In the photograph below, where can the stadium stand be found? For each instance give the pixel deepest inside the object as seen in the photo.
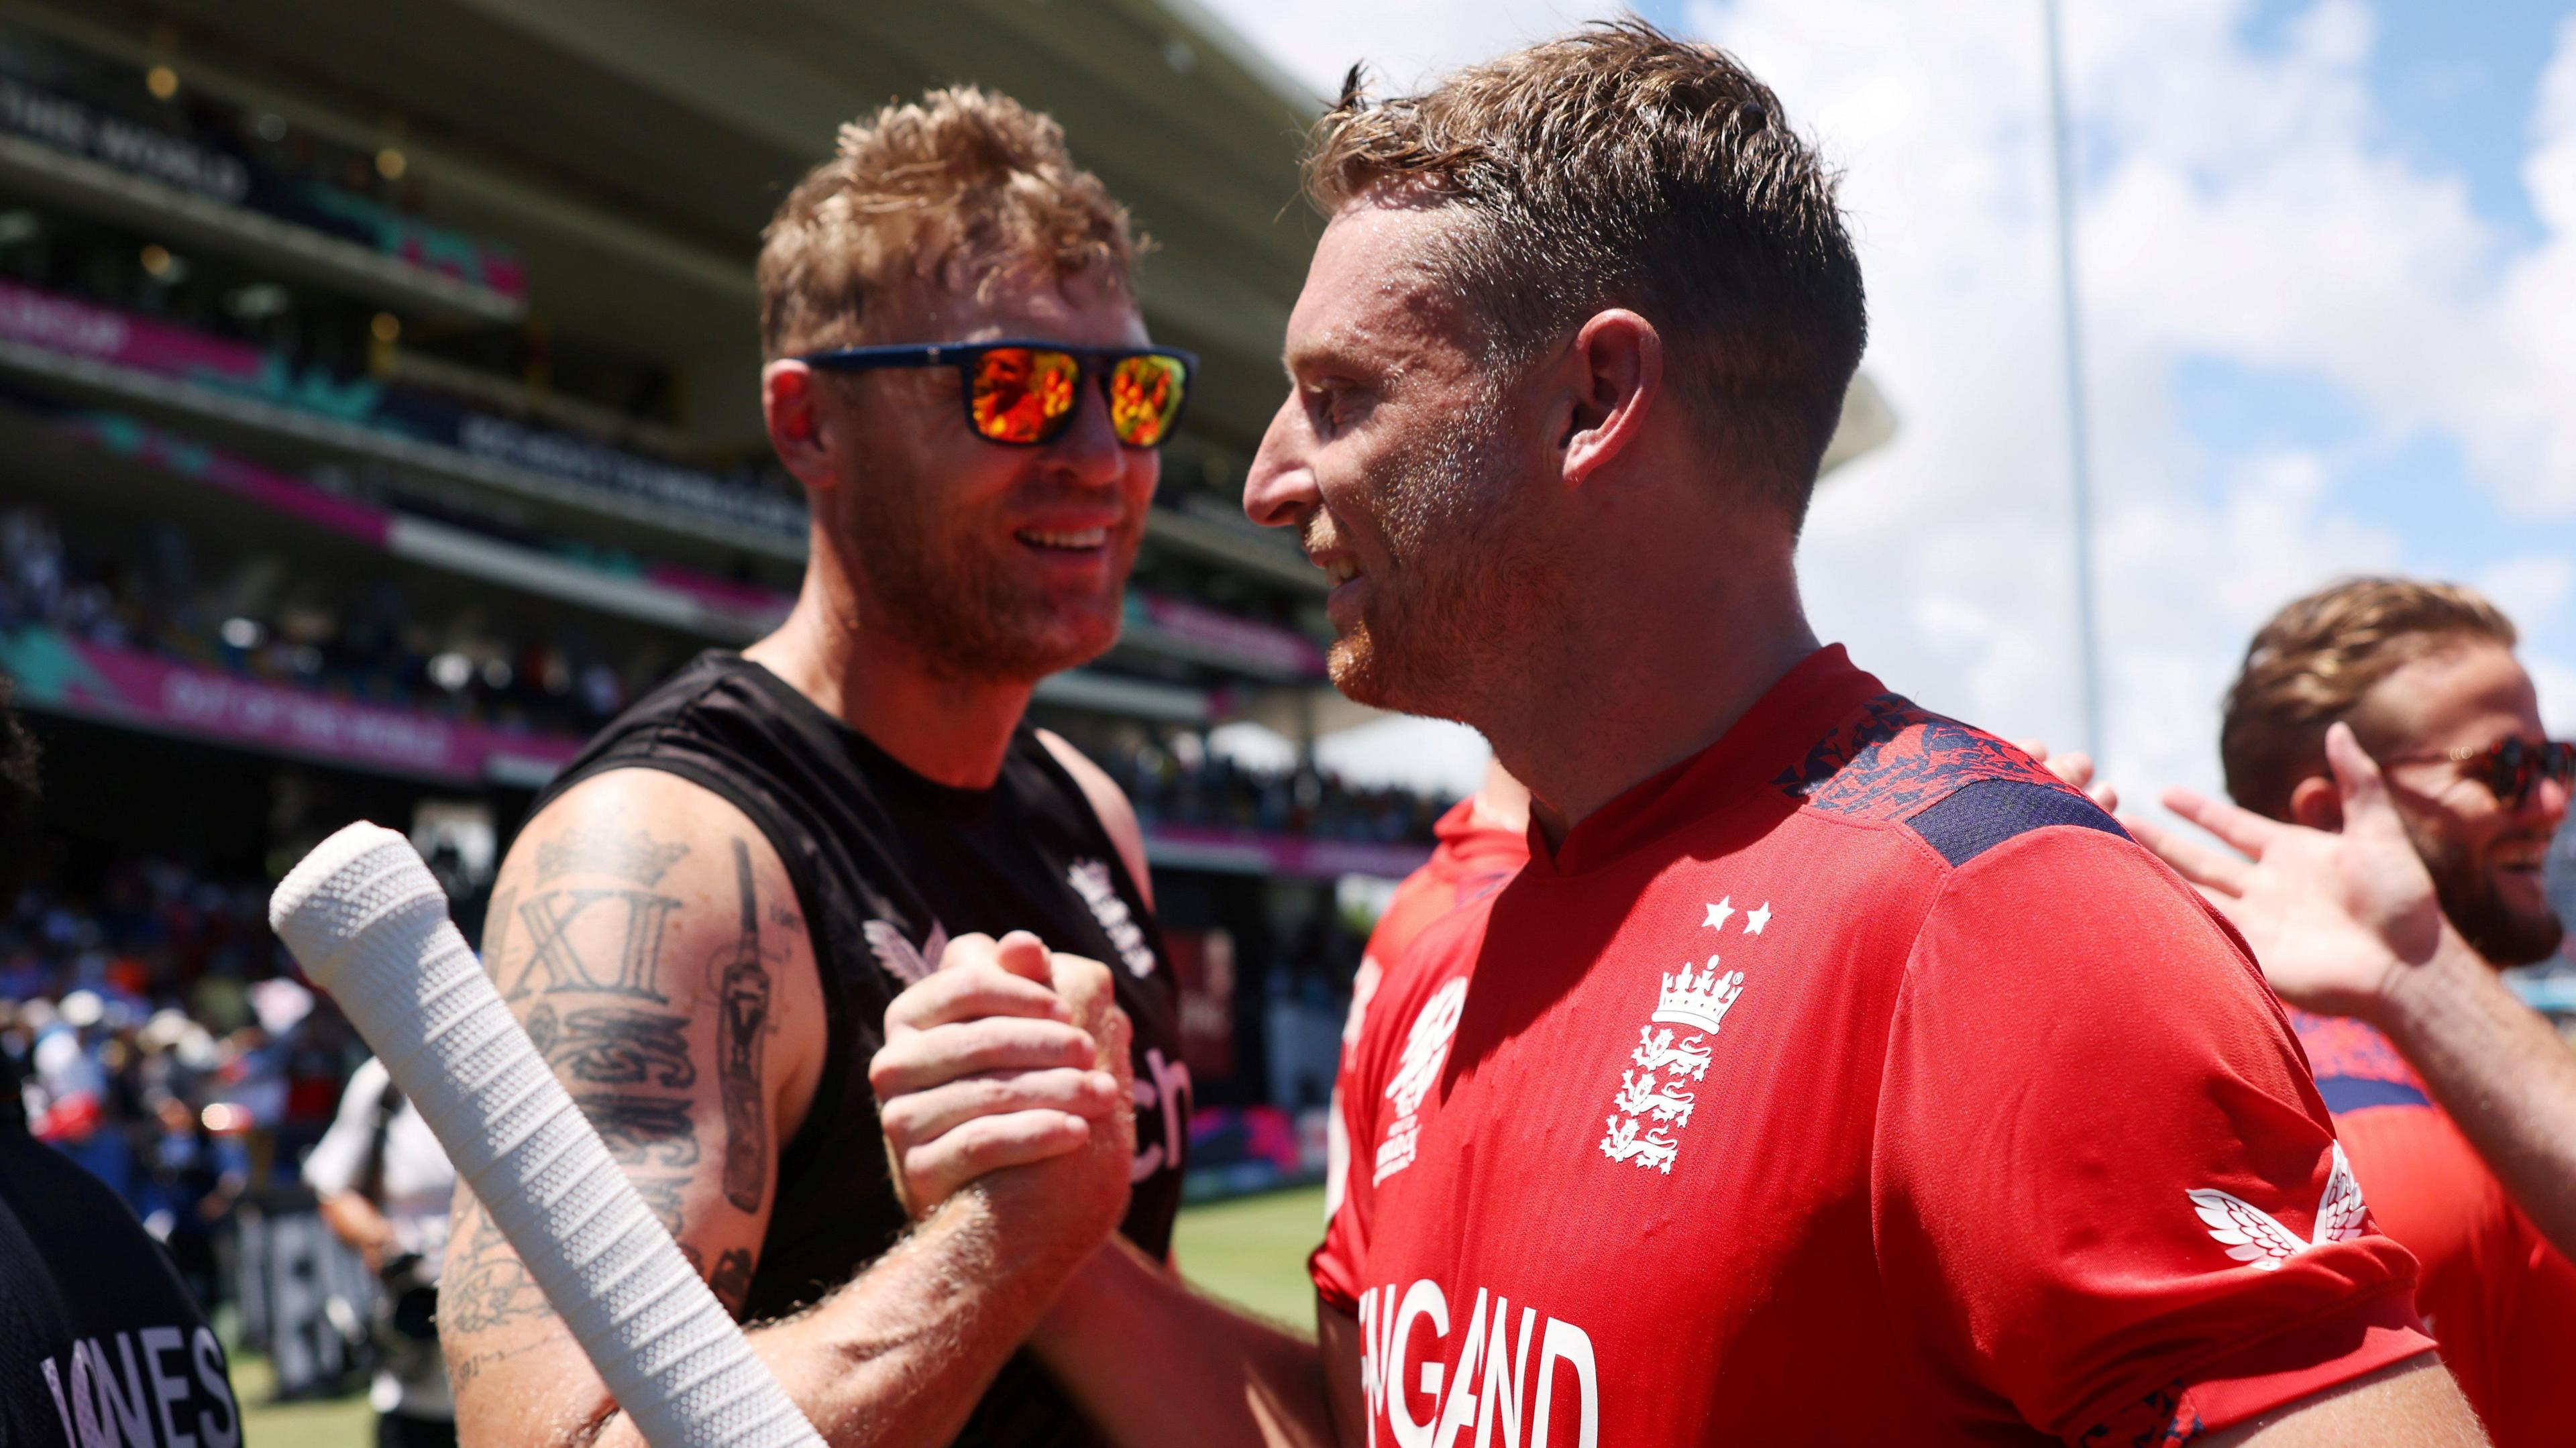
(379, 399)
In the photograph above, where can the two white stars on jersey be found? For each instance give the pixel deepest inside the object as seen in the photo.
(2257, 1238)
(1754, 920)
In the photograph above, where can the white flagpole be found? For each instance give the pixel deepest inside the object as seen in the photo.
(2079, 441)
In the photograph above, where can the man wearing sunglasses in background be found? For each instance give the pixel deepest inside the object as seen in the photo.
(706, 916)
(2455, 1103)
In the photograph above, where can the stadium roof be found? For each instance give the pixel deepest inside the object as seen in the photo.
(659, 134)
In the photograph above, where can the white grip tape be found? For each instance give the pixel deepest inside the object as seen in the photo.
(370, 925)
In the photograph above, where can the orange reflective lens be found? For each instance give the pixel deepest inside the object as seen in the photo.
(1145, 397)
(1023, 394)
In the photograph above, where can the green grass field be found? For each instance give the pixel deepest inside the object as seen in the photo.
(1251, 1252)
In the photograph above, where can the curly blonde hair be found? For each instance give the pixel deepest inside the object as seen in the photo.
(2317, 660)
(947, 193)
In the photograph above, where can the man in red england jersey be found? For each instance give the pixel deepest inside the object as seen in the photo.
(1832, 1073)
(2466, 782)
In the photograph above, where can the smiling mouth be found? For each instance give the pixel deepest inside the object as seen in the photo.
(1074, 542)
(2528, 858)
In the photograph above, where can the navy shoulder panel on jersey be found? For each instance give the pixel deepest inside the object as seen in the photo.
(2359, 1093)
(1962, 789)
(1980, 815)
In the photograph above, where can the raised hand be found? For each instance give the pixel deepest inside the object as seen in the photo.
(1008, 1067)
(2335, 920)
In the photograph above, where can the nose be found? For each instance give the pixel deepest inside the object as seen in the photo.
(2548, 803)
(1279, 488)
(1088, 450)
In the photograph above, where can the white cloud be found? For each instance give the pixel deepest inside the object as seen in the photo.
(1431, 754)
(2241, 203)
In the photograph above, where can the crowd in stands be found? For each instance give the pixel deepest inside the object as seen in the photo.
(150, 598)
(1191, 787)
(380, 652)
(159, 1041)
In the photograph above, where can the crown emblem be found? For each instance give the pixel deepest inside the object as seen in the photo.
(1699, 998)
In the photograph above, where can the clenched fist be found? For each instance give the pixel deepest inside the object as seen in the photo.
(1006, 1072)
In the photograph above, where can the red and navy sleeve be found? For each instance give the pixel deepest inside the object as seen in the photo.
(2108, 1198)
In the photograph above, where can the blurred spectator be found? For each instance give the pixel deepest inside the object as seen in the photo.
(377, 652)
(384, 1183)
(1186, 785)
(159, 1044)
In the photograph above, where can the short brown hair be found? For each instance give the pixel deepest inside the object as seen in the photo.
(1617, 166)
(2316, 661)
(945, 193)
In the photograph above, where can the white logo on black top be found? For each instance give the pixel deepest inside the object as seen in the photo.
(1090, 880)
(896, 954)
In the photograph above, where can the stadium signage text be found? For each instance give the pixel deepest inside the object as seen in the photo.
(138, 150)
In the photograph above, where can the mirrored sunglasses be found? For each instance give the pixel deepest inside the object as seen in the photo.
(2512, 767)
(1025, 393)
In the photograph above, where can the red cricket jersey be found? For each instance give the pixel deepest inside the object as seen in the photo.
(1854, 1081)
(1472, 861)
(2498, 1298)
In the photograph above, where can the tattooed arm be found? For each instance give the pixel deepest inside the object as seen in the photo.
(642, 930)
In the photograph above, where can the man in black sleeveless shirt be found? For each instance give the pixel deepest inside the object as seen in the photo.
(704, 920)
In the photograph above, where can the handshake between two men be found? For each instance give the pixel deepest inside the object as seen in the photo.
(1005, 1073)
(1008, 1103)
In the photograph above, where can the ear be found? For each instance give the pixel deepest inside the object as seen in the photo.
(2317, 804)
(1615, 372)
(791, 405)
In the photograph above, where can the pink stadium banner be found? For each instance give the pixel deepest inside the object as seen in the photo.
(293, 496)
(1266, 646)
(102, 334)
(60, 674)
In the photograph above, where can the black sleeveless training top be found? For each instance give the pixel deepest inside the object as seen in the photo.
(887, 867)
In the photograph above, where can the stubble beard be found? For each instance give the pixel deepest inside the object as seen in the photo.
(1441, 615)
(955, 606)
(2500, 934)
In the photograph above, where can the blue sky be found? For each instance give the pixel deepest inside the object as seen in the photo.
(2455, 84)
(2453, 91)
(2455, 97)
(2330, 326)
